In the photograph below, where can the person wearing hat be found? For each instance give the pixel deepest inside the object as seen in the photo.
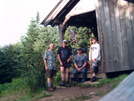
(64, 57)
(80, 62)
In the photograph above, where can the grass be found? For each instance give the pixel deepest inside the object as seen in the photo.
(34, 97)
(116, 81)
(81, 98)
(20, 91)
(15, 86)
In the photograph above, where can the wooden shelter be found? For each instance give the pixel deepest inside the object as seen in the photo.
(112, 21)
(123, 92)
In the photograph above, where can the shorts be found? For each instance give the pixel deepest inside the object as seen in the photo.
(50, 73)
(66, 64)
(95, 65)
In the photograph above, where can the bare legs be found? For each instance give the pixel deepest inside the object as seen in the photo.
(64, 76)
(64, 73)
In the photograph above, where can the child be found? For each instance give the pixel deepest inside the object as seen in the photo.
(94, 56)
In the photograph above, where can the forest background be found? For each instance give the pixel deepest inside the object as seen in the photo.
(22, 62)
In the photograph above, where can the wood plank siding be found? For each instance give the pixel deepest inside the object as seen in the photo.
(123, 92)
(115, 24)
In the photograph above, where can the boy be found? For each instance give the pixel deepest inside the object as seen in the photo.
(94, 56)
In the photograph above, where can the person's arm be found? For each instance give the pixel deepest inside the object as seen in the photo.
(85, 62)
(84, 65)
(59, 59)
(90, 54)
(58, 56)
(70, 56)
(45, 62)
(69, 59)
(76, 66)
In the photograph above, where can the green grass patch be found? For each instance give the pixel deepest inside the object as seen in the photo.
(34, 96)
(15, 86)
(101, 93)
(81, 98)
(117, 80)
(21, 92)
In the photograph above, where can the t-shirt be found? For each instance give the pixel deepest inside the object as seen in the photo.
(95, 48)
(80, 59)
(64, 53)
(50, 56)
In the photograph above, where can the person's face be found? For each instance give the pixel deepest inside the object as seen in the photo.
(93, 41)
(79, 51)
(51, 46)
(64, 44)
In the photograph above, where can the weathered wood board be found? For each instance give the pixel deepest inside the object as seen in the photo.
(115, 23)
(123, 92)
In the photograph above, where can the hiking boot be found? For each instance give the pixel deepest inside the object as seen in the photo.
(67, 85)
(77, 82)
(53, 88)
(62, 84)
(93, 79)
(50, 89)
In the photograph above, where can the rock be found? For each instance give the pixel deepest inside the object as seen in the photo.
(61, 87)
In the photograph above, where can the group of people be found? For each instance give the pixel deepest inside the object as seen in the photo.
(64, 56)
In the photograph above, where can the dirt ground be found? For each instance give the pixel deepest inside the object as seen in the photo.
(66, 94)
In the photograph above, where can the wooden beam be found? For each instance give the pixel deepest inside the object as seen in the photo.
(61, 29)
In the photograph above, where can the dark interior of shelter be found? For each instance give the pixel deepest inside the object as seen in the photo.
(84, 20)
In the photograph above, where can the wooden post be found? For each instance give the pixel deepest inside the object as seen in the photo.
(62, 30)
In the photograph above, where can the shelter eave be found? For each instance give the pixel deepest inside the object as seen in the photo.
(57, 15)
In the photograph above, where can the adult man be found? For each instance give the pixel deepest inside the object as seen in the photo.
(94, 57)
(49, 61)
(80, 62)
(64, 57)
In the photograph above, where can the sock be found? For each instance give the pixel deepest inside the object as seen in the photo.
(67, 82)
(63, 82)
(49, 84)
(93, 74)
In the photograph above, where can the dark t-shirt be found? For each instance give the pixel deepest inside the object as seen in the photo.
(80, 60)
(65, 53)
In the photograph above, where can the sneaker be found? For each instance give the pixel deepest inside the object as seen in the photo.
(93, 79)
(62, 84)
(50, 89)
(82, 81)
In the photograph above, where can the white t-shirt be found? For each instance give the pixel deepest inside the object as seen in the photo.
(95, 48)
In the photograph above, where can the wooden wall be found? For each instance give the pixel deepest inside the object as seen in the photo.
(115, 24)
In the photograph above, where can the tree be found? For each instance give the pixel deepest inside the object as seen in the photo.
(9, 63)
(82, 35)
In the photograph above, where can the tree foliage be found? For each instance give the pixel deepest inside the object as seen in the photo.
(25, 59)
(9, 63)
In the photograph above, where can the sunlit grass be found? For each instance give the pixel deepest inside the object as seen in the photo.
(117, 80)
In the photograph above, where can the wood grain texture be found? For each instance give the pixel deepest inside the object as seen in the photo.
(115, 18)
(123, 92)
